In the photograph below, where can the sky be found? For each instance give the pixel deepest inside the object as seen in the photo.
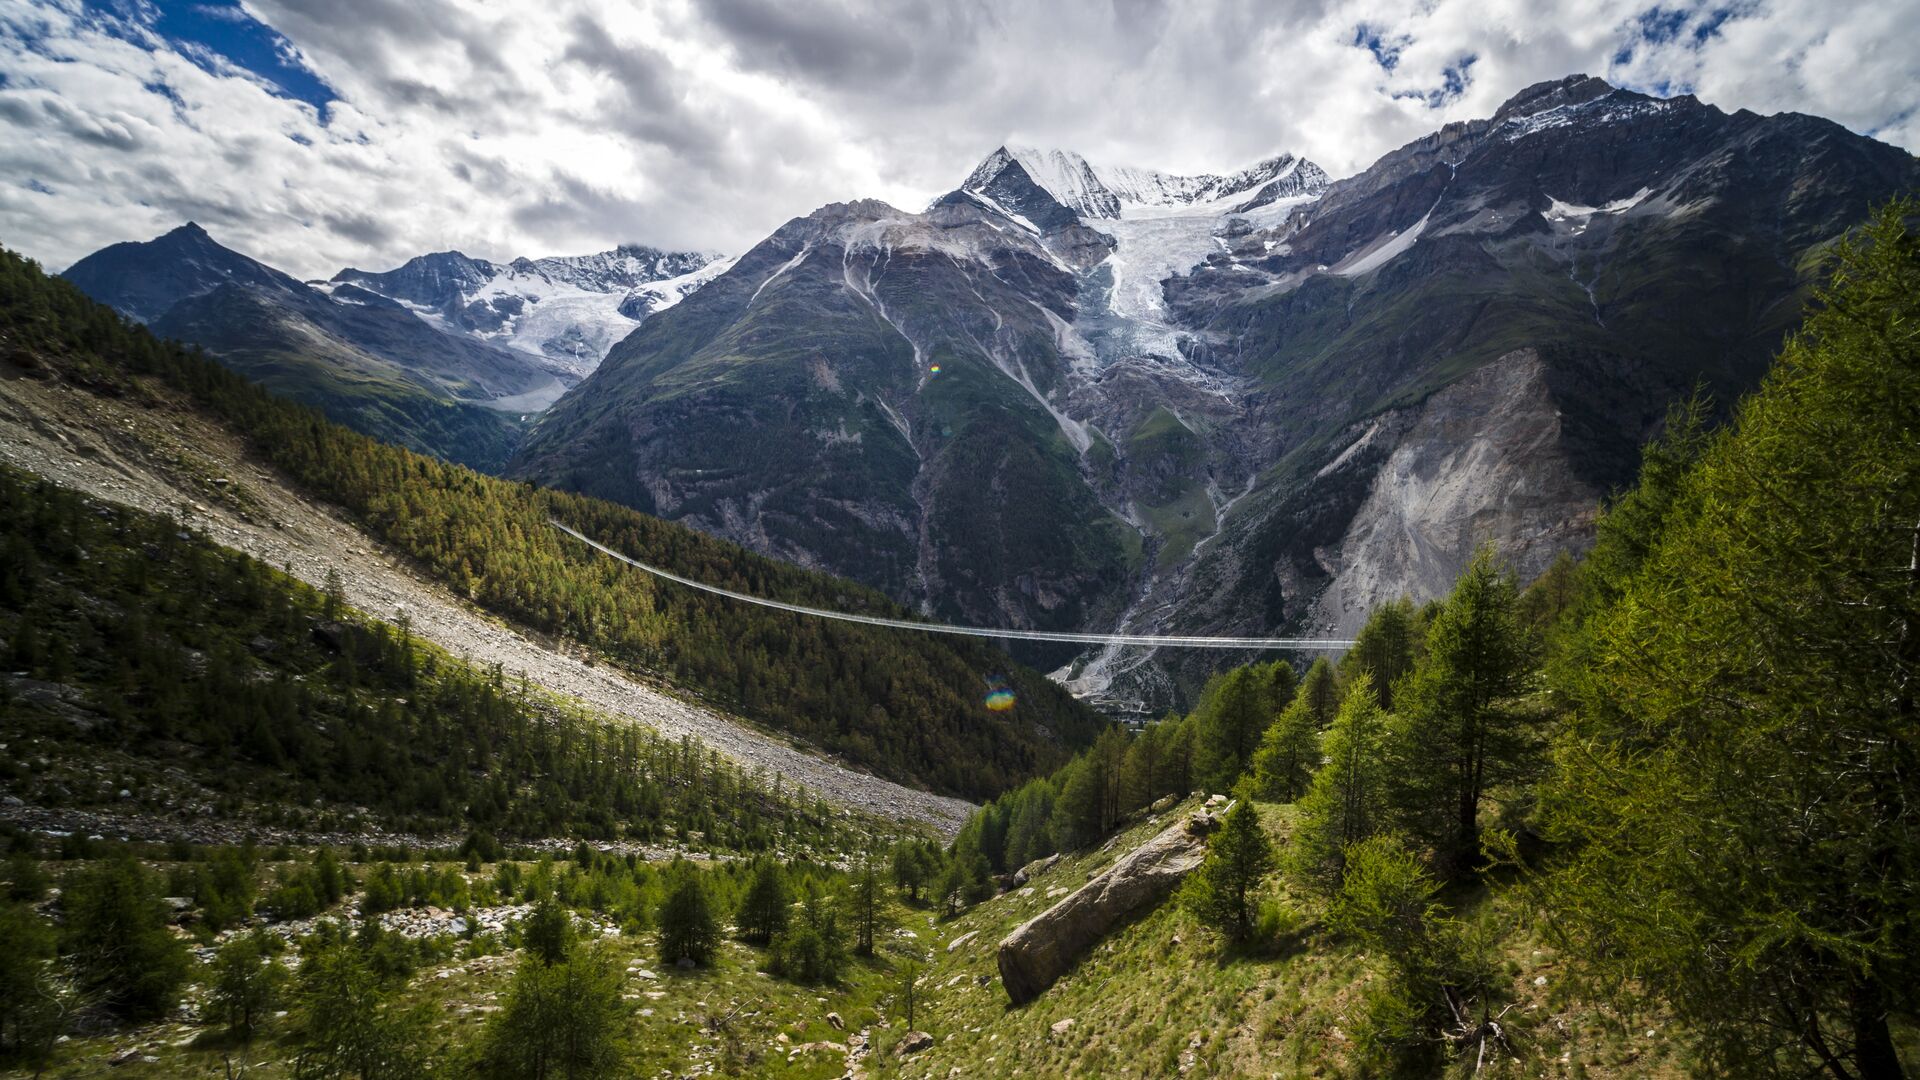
(319, 134)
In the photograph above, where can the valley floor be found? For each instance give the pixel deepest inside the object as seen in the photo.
(161, 459)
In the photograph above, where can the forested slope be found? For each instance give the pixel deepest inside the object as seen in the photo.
(908, 707)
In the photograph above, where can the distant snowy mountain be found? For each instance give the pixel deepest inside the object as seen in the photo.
(365, 359)
(1069, 395)
(1101, 192)
(569, 309)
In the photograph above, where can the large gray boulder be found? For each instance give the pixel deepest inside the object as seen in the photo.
(1041, 949)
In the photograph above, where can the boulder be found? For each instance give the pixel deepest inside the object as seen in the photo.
(1044, 947)
(1034, 869)
(912, 1043)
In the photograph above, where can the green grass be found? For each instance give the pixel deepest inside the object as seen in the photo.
(1180, 523)
(1160, 997)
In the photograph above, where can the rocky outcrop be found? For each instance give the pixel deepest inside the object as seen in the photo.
(1034, 869)
(1483, 463)
(1044, 947)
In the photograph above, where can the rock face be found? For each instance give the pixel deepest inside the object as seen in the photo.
(1041, 949)
(1484, 462)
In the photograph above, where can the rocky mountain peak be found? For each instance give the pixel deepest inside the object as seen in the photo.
(1542, 96)
(1034, 182)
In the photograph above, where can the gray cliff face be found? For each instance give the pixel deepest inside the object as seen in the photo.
(1483, 461)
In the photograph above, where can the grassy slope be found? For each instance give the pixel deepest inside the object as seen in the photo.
(1156, 999)
(98, 741)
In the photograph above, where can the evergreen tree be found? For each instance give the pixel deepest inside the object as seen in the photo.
(1734, 790)
(116, 933)
(1347, 801)
(813, 949)
(688, 928)
(1144, 772)
(247, 983)
(1321, 690)
(1030, 823)
(1459, 731)
(1077, 818)
(1385, 649)
(33, 1008)
(1223, 891)
(868, 906)
(1232, 718)
(767, 904)
(561, 1021)
(1289, 754)
(547, 932)
(1438, 969)
(349, 1029)
(916, 864)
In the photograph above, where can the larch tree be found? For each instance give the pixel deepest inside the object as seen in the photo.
(1347, 801)
(1459, 731)
(1736, 791)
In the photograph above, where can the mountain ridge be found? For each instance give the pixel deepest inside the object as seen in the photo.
(1199, 381)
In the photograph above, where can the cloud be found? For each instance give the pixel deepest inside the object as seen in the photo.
(571, 125)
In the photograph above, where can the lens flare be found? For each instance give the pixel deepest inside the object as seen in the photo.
(934, 370)
(1000, 700)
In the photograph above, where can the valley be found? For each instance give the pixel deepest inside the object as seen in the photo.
(1075, 540)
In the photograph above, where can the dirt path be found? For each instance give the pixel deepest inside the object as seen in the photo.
(169, 460)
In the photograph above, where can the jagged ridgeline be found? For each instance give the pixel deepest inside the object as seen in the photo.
(131, 639)
(908, 706)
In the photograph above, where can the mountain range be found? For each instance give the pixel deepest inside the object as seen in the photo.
(1070, 395)
(445, 354)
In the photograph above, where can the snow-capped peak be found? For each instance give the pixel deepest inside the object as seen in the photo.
(569, 308)
(1113, 192)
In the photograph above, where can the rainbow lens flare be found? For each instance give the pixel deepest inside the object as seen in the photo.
(934, 370)
(1000, 700)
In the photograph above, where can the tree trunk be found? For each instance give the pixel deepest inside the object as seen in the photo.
(1874, 1055)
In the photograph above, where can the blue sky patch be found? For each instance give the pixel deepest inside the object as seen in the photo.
(1384, 46)
(1453, 82)
(205, 29)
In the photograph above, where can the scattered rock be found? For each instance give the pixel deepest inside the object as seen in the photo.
(834, 1021)
(912, 1043)
(962, 940)
(1061, 1027)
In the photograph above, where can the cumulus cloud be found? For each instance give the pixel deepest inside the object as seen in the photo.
(570, 125)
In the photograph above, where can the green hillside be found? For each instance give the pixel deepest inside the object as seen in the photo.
(907, 706)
